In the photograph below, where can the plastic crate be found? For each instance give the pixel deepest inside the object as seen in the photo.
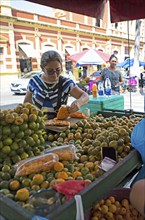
(104, 103)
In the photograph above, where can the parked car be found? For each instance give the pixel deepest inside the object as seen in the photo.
(19, 86)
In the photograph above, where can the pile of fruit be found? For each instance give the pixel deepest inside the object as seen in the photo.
(23, 135)
(111, 208)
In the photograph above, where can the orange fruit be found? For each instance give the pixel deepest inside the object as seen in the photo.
(14, 185)
(22, 194)
(62, 175)
(58, 166)
(75, 174)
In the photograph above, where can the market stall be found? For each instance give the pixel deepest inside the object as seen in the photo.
(76, 155)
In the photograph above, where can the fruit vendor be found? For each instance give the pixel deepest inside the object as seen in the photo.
(50, 90)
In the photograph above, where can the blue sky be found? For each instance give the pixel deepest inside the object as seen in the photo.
(31, 7)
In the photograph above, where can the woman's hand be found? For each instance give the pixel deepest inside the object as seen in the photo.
(118, 84)
(74, 107)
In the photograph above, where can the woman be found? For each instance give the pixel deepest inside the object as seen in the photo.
(50, 90)
(113, 74)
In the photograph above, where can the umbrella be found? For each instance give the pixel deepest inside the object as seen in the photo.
(129, 62)
(120, 10)
(89, 57)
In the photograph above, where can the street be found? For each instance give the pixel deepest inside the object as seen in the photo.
(132, 100)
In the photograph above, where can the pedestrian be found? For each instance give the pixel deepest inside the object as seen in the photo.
(114, 75)
(51, 90)
(85, 69)
(80, 72)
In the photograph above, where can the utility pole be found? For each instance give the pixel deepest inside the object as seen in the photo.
(135, 71)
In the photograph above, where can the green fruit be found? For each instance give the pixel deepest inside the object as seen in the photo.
(4, 191)
(89, 176)
(6, 130)
(26, 182)
(6, 149)
(23, 127)
(12, 153)
(20, 135)
(32, 125)
(14, 146)
(4, 184)
(6, 176)
(15, 128)
(85, 170)
(16, 159)
(8, 141)
(30, 141)
(6, 168)
(1, 144)
(28, 132)
(24, 156)
(22, 143)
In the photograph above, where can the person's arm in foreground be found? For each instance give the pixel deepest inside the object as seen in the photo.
(28, 97)
(137, 196)
(81, 98)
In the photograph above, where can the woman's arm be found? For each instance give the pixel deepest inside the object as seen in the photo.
(137, 196)
(28, 97)
(81, 98)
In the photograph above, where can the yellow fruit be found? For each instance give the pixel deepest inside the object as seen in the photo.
(14, 185)
(22, 194)
(25, 110)
(18, 120)
(112, 199)
(104, 209)
(112, 208)
(24, 116)
(38, 179)
(44, 185)
(9, 118)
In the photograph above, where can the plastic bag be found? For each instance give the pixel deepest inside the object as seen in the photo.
(44, 162)
(70, 188)
(138, 138)
(65, 152)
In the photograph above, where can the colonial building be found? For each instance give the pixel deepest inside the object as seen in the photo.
(25, 36)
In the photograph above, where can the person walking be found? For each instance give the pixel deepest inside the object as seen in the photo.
(113, 74)
(50, 90)
(80, 72)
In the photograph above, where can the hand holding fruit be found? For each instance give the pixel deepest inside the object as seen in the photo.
(74, 107)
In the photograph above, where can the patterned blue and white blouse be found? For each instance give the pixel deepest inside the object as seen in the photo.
(46, 95)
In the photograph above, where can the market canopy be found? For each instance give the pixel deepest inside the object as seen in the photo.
(120, 10)
(129, 62)
(89, 57)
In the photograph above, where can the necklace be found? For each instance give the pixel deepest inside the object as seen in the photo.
(46, 82)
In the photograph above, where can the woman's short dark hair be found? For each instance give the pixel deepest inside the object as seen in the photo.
(49, 56)
(113, 56)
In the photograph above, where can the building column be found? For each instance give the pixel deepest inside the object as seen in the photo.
(12, 48)
(37, 43)
(78, 41)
